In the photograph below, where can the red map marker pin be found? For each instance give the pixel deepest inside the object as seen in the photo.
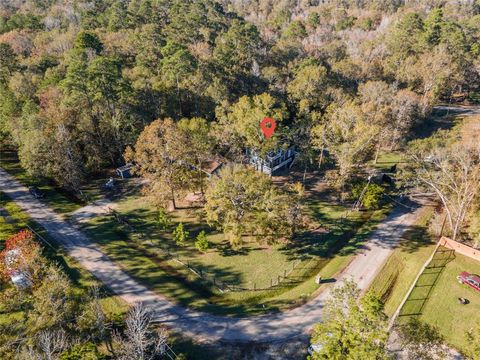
(268, 127)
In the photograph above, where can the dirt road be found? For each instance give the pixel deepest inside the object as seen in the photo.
(271, 327)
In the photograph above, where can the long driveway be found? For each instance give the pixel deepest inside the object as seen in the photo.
(265, 328)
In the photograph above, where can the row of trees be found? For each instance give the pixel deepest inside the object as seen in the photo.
(54, 320)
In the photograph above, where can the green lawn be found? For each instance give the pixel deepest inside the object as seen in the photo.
(386, 159)
(437, 304)
(251, 266)
(13, 219)
(442, 308)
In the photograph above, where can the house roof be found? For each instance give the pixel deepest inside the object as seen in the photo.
(211, 166)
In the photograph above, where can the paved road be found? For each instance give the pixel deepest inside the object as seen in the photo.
(271, 327)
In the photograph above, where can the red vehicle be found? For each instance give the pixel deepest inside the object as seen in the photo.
(471, 280)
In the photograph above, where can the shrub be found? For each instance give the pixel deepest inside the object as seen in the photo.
(371, 198)
(180, 234)
(201, 243)
(86, 351)
(28, 253)
(164, 220)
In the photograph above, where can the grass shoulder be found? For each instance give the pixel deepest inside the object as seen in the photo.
(401, 268)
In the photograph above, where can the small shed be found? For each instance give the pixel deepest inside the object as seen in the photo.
(125, 171)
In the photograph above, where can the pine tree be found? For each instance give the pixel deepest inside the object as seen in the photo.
(180, 235)
(164, 220)
(201, 243)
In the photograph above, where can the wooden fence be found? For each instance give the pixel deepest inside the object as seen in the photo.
(460, 248)
(284, 278)
(221, 285)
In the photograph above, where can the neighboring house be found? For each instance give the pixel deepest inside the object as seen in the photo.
(20, 278)
(273, 161)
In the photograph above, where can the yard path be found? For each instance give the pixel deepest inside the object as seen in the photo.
(96, 208)
(266, 328)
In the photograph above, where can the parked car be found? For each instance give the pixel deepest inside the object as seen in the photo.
(471, 280)
(313, 348)
(37, 194)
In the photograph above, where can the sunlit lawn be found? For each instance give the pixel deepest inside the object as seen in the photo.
(401, 268)
(442, 308)
(387, 159)
(437, 304)
(253, 265)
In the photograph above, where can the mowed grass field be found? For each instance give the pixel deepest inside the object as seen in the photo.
(442, 308)
(13, 219)
(254, 265)
(435, 298)
(401, 268)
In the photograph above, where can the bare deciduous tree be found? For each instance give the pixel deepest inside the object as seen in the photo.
(48, 345)
(454, 175)
(140, 341)
(51, 343)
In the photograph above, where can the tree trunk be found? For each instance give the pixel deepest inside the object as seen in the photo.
(174, 204)
(376, 154)
(320, 161)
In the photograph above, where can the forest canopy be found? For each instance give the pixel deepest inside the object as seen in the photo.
(80, 80)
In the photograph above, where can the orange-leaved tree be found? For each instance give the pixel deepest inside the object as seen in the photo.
(21, 252)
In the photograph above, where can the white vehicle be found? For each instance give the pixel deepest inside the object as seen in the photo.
(314, 348)
(20, 278)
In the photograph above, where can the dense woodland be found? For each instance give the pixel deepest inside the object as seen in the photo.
(88, 85)
(81, 80)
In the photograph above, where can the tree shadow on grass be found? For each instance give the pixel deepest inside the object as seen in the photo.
(194, 351)
(134, 253)
(440, 119)
(415, 238)
(325, 244)
(226, 249)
